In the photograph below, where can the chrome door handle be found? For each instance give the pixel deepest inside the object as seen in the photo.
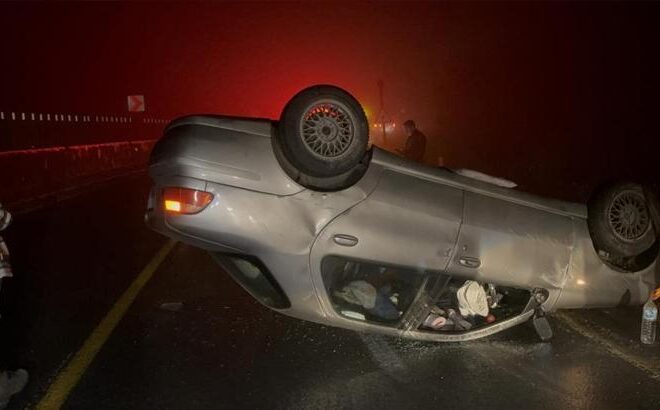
(345, 240)
(469, 262)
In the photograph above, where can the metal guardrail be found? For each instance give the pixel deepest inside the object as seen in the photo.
(20, 130)
(33, 173)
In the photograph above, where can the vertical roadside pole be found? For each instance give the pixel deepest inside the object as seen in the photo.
(382, 116)
(136, 106)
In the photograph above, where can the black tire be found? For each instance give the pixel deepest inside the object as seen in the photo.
(326, 184)
(323, 132)
(621, 222)
(654, 207)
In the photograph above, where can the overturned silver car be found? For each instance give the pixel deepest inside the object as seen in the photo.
(317, 225)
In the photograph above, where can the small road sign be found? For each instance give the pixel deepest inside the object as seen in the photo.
(136, 103)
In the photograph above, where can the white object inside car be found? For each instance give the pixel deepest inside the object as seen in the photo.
(472, 299)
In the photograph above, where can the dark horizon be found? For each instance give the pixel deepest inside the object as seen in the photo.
(256, 264)
(546, 94)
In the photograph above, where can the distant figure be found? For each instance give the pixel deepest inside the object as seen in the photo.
(415, 142)
(11, 382)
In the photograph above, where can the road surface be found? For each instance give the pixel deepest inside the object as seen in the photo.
(194, 339)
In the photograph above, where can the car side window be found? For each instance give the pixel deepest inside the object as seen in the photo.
(369, 291)
(253, 276)
(461, 305)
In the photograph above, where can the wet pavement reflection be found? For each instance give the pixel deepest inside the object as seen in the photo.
(195, 339)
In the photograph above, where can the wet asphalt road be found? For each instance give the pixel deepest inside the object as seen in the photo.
(222, 349)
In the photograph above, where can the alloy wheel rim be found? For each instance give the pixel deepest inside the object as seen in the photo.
(327, 129)
(628, 216)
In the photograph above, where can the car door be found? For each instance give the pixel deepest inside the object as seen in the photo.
(511, 243)
(406, 228)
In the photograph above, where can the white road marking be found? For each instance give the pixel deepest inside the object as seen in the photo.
(651, 367)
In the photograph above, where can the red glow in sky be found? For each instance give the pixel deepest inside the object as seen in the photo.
(500, 87)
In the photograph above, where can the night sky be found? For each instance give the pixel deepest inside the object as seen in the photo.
(554, 95)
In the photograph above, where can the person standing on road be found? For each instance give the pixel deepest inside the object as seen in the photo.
(415, 142)
(11, 382)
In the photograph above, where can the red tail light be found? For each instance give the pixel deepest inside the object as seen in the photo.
(185, 201)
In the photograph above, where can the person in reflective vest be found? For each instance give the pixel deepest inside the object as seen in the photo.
(11, 382)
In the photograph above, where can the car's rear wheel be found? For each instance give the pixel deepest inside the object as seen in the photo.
(622, 227)
(323, 134)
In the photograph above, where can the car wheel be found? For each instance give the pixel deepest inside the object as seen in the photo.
(621, 222)
(323, 133)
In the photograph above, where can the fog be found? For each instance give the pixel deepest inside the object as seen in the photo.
(555, 96)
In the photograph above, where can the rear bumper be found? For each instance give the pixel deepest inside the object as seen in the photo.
(156, 218)
(273, 229)
(222, 150)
